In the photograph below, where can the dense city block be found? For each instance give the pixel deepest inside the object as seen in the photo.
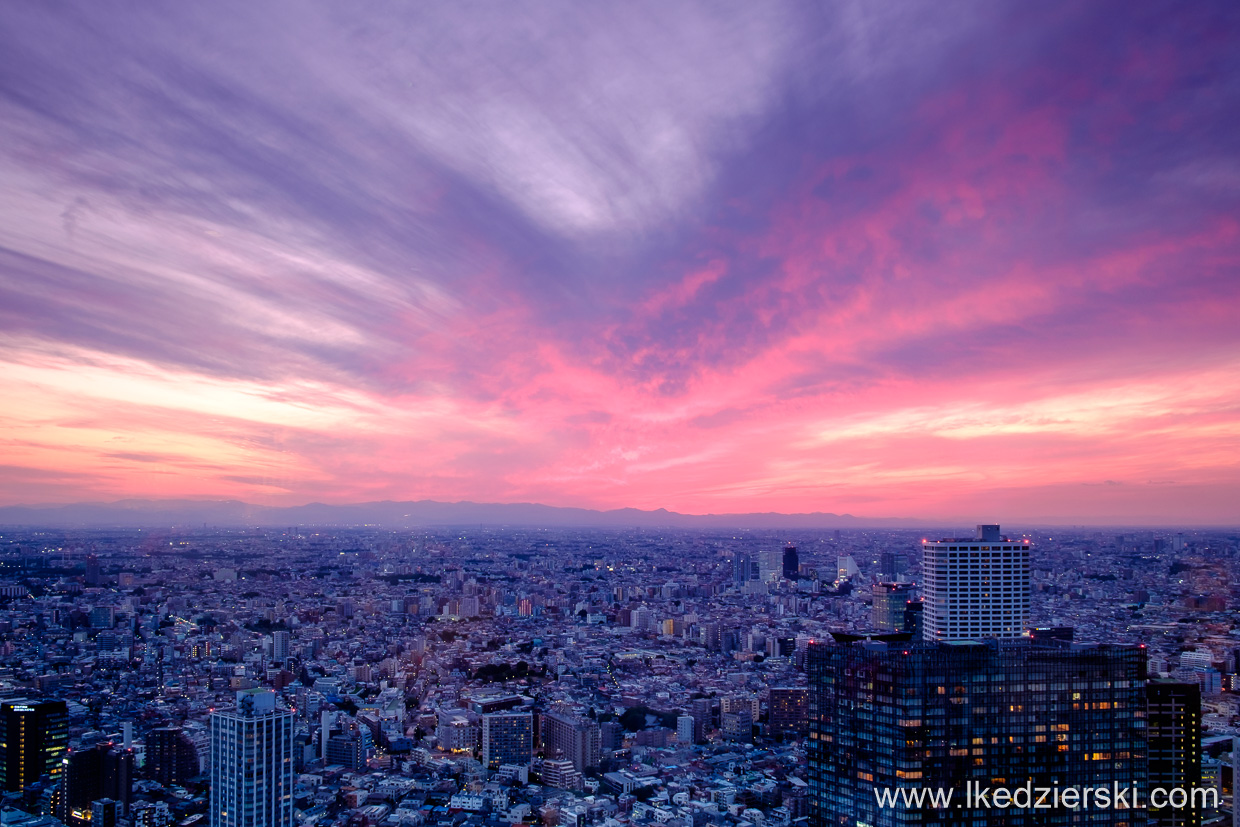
(499, 676)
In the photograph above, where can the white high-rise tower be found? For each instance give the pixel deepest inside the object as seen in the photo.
(975, 588)
(252, 763)
(279, 646)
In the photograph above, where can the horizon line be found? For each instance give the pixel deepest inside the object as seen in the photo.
(855, 522)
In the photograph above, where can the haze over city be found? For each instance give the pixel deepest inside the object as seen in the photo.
(764, 414)
(966, 261)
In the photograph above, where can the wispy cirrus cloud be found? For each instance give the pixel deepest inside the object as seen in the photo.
(708, 257)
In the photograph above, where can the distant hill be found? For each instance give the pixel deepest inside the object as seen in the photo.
(167, 513)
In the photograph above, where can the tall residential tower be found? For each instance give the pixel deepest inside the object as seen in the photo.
(507, 738)
(975, 588)
(252, 763)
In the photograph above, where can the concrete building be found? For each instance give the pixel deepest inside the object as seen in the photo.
(252, 763)
(571, 738)
(90, 774)
(684, 729)
(507, 738)
(789, 711)
(171, 757)
(975, 588)
(560, 774)
(736, 718)
(279, 646)
(457, 731)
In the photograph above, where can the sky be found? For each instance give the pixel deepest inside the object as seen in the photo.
(959, 260)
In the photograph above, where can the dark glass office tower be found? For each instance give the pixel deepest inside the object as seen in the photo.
(969, 715)
(890, 604)
(744, 569)
(792, 562)
(33, 738)
(1174, 723)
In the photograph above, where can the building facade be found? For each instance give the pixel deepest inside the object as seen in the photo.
(507, 738)
(684, 729)
(571, 738)
(252, 763)
(890, 604)
(702, 710)
(745, 568)
(791, 562)
(171, 757)
(457, 731)
(1174, 730)
(101, 772)
(789, 711)
(736, 718)
(33, 738)
(971, 715)
(975, 588)
(347, 750)
(280, 646)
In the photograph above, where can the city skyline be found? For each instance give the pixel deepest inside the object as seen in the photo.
(486, 676)
(964, 263)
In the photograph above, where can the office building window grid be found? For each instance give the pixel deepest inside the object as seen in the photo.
(975, 589)
(252, 768)
(994, 713)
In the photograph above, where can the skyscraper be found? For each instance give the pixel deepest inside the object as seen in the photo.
(975, 588)
(968, 715)
(792, 562)
(890, 566)
(770, 565)
(279, 646)
(1174, 730)
(744, 569)
(252, 763)
(94, 574)
(702, 710)
(890, 602)
(118, 775)
(571, 738)
(33, 739)
(507, 738)
(101, 772)
(914, 615)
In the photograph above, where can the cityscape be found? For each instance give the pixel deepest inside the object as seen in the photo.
(509, 675)
(549, 413)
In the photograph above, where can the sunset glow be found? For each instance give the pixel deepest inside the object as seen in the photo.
(906, 260)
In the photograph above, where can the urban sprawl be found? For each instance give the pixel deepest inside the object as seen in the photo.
(358, 677)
